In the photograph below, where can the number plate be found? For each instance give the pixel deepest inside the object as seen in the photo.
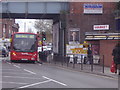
(24, 59)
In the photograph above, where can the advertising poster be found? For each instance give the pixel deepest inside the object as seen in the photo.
(76, 49)
(74, 35)
(93, 8)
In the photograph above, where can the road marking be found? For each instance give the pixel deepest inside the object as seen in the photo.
(20, 77)
(14, 83)
(34, 84)
(7, 69)
(54, 80)
(29, 71)
(39, 64)
(8, 63)
(15, 73)
(16, 66)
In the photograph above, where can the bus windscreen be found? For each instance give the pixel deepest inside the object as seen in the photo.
(24, 42)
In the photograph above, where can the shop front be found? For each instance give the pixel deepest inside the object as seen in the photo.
(102, 45)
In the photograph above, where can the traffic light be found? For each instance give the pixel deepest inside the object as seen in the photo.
(43, 36)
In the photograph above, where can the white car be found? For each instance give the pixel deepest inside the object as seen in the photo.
(40, 48)
(49, 47)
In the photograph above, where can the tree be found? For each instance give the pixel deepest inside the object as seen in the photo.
(43, 25)
(117, 9)
(118, 5)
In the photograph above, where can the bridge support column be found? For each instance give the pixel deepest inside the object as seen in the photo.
(62, 34)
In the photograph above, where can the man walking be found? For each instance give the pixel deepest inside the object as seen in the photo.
(116, 56)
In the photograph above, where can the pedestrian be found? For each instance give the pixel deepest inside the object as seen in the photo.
(90, 56)
(116, 57)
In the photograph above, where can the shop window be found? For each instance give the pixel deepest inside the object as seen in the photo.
(95, 49)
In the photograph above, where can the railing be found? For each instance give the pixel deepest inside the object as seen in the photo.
(91, 64)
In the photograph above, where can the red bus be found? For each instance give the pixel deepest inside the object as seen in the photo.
(24, 47)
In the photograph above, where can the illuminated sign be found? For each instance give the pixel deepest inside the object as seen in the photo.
(101, 27)
(93, 8)
(24, 36)
(105, 37)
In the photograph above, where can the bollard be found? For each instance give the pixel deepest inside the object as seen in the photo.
(103, 63)
(81, 62)
(54, 58)
(62, 59)
(74, 61)
(91, 59)
(67, 60)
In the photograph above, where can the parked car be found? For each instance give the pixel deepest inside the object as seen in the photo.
(5, 51)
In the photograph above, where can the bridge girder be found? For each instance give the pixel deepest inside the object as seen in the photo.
(34, 10)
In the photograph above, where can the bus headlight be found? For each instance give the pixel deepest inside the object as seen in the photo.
(14, 54)
(34, 55)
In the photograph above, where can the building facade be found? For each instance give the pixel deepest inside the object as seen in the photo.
(85, 16)
(95, 23)
(8, 27)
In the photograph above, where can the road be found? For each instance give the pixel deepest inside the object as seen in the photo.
(29, 75)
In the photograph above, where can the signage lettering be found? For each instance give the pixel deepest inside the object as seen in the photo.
(101, 27)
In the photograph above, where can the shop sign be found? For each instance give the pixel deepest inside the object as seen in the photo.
(93, 8)
(101, 27)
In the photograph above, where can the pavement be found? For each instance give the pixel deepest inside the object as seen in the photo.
(106, 73)
(109, 73)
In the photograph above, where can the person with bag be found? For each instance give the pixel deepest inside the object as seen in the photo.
(113, 67)
(116, 57)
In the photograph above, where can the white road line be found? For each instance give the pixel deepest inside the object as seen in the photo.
(20, 77)
(15, 73)
(29, 71)
(54, 80)
(14, 83)
(16, 66)
(8, 63)
(39, 64)
(7, 69)
(34, 84)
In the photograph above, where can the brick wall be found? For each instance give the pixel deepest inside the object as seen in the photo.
(8, 24)
(106, 47)
(77, 19)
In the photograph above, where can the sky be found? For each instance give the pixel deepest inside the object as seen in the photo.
(25, 24)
